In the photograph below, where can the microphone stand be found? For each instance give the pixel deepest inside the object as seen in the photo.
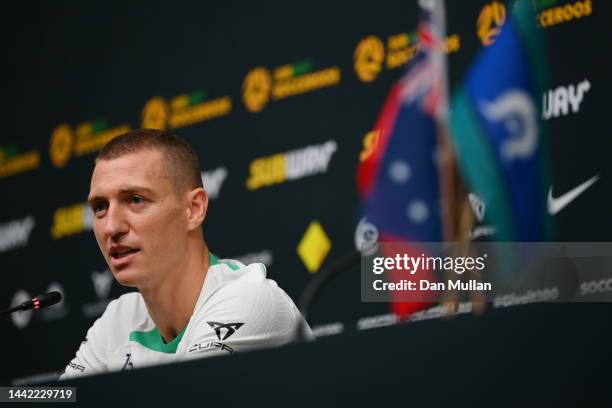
(315, 284)
(10, 310)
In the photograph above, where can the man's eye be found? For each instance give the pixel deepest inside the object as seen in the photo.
(137, 200)
(98, 208)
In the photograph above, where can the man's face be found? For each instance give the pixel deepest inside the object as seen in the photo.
(139, 221)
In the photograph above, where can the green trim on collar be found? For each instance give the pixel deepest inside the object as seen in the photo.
(214, 261)
(153, 340)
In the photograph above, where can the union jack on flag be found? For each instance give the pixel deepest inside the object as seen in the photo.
(426, 79)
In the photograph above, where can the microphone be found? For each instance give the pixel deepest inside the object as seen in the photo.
(36, 303)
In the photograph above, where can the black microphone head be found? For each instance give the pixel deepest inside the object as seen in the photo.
(37, 303)
(48, 299)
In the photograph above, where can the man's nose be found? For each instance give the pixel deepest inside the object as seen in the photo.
(116, 225)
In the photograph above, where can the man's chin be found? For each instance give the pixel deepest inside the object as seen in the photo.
(128, 277)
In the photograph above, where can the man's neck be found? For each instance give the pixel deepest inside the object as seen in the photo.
(171, 304)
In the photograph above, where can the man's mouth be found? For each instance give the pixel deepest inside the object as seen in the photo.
(122, 252)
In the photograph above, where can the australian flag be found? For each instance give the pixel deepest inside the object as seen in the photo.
(399, 181)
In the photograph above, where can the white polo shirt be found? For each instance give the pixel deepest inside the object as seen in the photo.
(238, 310)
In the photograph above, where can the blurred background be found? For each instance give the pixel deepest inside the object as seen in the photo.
(279, 100)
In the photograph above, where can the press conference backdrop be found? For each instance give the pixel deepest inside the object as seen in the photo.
(278, 101)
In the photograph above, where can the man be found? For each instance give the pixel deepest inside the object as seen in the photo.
(149, 204)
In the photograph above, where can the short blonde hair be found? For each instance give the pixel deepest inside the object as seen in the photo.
(180, 159)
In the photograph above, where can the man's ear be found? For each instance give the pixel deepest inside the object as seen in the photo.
(197, 201)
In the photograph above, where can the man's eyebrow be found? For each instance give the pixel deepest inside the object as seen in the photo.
(93, 199)
(135, 189)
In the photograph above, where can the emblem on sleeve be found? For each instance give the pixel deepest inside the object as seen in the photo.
(227, 328)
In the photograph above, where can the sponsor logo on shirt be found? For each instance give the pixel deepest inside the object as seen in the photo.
(211, 344)
(223, 332)
(227, 328)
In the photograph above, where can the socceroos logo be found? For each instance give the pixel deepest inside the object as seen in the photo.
(490, 22)
(60, 145)
(368, 58)
(564, 13)
(259, 85)
(256, 89)
(88, 138)
(155, 113)
(13, 162)
(183, 110)
(230, 328)
(370, 55)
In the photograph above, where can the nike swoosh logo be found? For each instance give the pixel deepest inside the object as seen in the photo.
(557, 204)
